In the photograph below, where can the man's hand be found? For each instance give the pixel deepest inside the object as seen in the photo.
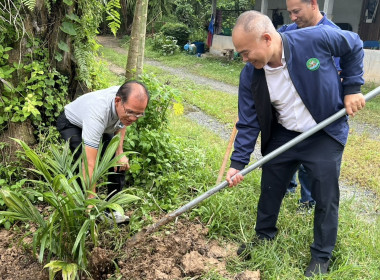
(236, 180)
(353, 103)
(124, 164)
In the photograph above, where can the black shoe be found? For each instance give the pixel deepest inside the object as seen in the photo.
(306, 206)
(244, 251)
(316, 267)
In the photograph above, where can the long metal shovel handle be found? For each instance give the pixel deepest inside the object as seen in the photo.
(171, 216)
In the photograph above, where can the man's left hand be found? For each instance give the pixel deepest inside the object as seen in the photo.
(353, 103)
(124, 164)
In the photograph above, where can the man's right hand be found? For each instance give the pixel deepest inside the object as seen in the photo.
(236, 180)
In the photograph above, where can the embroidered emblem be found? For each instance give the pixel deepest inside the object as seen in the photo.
(313, 64)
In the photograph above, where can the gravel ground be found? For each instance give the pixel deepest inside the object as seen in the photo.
(363, 128)
(213, 84)
(364, 200)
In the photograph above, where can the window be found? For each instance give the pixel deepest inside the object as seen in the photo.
(370, 13)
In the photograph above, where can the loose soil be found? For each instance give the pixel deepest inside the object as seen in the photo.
(16, 262)
(181, 251)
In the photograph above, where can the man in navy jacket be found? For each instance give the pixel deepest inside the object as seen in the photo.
(305, 13)
(293, 86)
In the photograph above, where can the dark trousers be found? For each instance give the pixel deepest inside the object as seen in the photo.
(321, 156)
(73, 134)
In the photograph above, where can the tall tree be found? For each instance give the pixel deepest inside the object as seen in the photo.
(140, 58)
(134, 43)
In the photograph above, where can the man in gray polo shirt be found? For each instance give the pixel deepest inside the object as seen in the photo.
(98, 116)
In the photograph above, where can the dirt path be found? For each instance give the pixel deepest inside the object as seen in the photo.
(112, 42)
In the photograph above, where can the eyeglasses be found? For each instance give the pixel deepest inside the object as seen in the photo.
(130, 113)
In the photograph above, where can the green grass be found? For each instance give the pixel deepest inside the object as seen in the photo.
(371, 112)
(231, 213)
(220, 105)
(217, 68)
(214, 67)
(361, 162)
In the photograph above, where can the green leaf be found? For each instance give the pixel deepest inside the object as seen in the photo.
(81, 234)
(73, 17)
(63, 46)
(68, 28)
(58, 57)
(68, 2)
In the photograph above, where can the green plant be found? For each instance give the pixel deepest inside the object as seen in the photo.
(166, 45)
(179, 31)
(65, 226)
(157, 155)
(40, 97)
(198, 35)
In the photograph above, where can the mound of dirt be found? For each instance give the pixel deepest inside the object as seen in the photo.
(179, 253)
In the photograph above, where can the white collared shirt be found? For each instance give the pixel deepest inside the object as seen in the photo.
(291, 111)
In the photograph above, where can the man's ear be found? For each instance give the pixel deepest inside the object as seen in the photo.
(117, 99)
(267, 38)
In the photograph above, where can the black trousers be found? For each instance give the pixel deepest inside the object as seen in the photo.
(321, 156)
(73, 134)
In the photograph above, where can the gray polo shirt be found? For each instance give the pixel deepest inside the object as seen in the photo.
(95, 113)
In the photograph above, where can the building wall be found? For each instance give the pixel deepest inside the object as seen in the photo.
(344, 11)
(347, 11)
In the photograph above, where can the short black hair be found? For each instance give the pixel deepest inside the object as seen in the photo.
(126, 89)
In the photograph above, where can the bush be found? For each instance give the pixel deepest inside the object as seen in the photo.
(166, 45)
(157, 155)
(40, 97)
(198, 35)
(177, 30)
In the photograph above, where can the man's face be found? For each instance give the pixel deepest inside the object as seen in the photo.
(300, 13)
(253, 50)
(131, 110)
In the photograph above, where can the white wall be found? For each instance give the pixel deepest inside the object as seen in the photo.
(347, 11)
(372, 66)
(344, 11)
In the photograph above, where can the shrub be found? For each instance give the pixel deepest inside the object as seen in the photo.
(157, 155)
(166, 45)
(198, 35)
(177, 30)
(69, 222)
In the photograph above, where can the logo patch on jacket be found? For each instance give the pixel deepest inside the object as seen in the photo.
(313, 64)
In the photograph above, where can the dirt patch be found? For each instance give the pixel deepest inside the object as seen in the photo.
(179, 253)
(17, 263)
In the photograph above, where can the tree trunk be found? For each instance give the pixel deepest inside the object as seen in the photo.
(134, 43)
(140, 58)
(124, 17)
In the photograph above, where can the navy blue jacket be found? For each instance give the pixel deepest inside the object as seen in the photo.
(324, 20)
(321, 90)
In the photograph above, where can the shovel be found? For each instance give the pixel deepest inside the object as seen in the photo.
(171, 216)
